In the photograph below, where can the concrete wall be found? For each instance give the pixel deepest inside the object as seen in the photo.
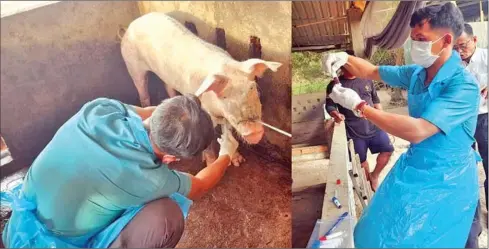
(271, 22)
(54, 59)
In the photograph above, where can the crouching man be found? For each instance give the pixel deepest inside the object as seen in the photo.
(104, 181)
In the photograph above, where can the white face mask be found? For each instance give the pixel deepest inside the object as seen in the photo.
(421, 52)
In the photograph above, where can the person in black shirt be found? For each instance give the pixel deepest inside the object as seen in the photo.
(365, 135)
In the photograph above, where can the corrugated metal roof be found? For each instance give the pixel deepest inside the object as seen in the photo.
(320, 24)
(470, 8)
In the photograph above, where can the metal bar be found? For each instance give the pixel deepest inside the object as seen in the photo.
(310, 48)
(276, 129)
(463, 5)
(356, 188)
(337, 36)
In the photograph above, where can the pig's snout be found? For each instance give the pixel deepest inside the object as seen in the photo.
(252, 132)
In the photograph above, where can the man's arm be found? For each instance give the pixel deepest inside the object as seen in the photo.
(450, 109)
(212, 174)
(362, 68)
(208, 177)
(396, 76)
(333, 111)
(414, 130)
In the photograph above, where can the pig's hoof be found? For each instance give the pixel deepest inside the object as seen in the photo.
(238, 159)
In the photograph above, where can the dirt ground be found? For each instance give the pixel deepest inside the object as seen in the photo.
(401, 146)
(250, 207)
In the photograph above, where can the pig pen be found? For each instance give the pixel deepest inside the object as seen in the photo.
(57, 57)
(319, 159)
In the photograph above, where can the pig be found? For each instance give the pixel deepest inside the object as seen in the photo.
(185, 63)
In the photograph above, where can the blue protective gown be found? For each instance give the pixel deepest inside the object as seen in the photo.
(89, 181)
(429, 197)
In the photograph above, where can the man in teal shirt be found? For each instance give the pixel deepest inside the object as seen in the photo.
(429, 197)
(103, 180)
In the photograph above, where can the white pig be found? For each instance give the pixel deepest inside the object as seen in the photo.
(227, 89)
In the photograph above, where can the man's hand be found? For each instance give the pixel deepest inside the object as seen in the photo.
(484, 93)
(228, 143)
(345, 97)
(337, 116)
(333, 61)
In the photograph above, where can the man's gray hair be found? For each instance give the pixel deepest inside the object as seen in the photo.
(180, 127)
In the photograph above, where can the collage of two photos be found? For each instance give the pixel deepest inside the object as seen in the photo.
(243, 124)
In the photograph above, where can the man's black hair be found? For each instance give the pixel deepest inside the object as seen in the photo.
(350, 52)
(440, 16)
(468, 29)
(180, 127)
(329, 88)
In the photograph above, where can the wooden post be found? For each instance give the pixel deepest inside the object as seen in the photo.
(254, 52)
(265, 149)
(354, 20)
(221, 38)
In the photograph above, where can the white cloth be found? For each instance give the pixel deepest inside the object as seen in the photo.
(228, 143)
(478, 67)
(345, 97)
(333, 61)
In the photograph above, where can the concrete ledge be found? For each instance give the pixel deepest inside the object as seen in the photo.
(9, 8)
(339, 165)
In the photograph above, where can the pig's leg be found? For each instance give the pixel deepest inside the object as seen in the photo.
(140, 79)
(237, 157)
(137, 70)
(141, 82)
(210, 154)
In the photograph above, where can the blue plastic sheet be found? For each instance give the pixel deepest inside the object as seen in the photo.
(24, 230)
(418, 207)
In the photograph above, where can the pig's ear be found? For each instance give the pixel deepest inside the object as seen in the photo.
(213, 83)
(257, 67)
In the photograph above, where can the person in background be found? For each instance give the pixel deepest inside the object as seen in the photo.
(365, 135)
(429, 198)
(475, 61)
